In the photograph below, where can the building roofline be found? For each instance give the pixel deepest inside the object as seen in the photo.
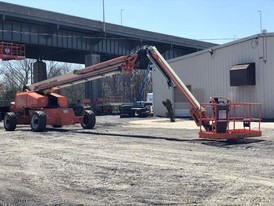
(221, 46)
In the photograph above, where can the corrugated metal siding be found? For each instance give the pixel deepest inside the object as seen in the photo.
(208, 74)
(181, 105)
(162, 91)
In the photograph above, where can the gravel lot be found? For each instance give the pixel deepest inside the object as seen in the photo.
(134, 162)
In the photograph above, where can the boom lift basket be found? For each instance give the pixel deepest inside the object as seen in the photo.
(12, 51)
(231, 120)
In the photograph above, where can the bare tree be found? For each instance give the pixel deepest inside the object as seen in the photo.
(55, 69)
(74, 93)
(14, 75)
(126, 86)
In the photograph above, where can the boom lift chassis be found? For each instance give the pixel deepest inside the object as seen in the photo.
(39, 106)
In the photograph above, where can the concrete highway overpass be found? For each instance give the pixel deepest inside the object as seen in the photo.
(60, 37)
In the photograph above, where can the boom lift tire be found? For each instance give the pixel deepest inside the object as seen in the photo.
(10, 121)
(38, 121)
(57, 126)
(89, 120)
(125, 111)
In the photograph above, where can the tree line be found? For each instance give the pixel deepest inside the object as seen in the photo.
(15, 74)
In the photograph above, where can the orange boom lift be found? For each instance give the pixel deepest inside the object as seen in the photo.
(39, 106)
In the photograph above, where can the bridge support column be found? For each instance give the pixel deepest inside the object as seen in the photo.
(39, 71)
(93, 89)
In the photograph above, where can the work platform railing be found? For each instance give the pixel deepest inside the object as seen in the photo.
(232, 120)
(12, 51)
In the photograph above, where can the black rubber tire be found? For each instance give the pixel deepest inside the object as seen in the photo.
(123, 115)
(57, 126)
(89, 120)
(10, 121)
(143, 115)
(38, 121)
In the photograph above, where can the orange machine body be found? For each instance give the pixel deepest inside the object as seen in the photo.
(53, 105)
(25, 100)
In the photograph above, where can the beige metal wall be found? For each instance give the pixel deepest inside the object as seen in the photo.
(208, 74)
(161, 92)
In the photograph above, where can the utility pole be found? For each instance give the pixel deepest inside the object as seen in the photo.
(261, 27)
(121, 15)
(104, 22)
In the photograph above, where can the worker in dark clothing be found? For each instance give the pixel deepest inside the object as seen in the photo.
(169, 108)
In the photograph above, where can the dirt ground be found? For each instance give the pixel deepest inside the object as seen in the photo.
(134, 162)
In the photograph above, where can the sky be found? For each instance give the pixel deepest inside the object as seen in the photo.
(216, 21)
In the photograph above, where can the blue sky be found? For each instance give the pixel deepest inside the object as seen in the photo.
(217, 21)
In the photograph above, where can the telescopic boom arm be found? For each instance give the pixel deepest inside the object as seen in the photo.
(100, 70)
(197, 111)
(125, 64)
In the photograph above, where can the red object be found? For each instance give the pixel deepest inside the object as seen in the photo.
(12, 51)
(232, 120)
(54, 106)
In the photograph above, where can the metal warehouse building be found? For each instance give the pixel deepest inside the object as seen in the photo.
(241, 70)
